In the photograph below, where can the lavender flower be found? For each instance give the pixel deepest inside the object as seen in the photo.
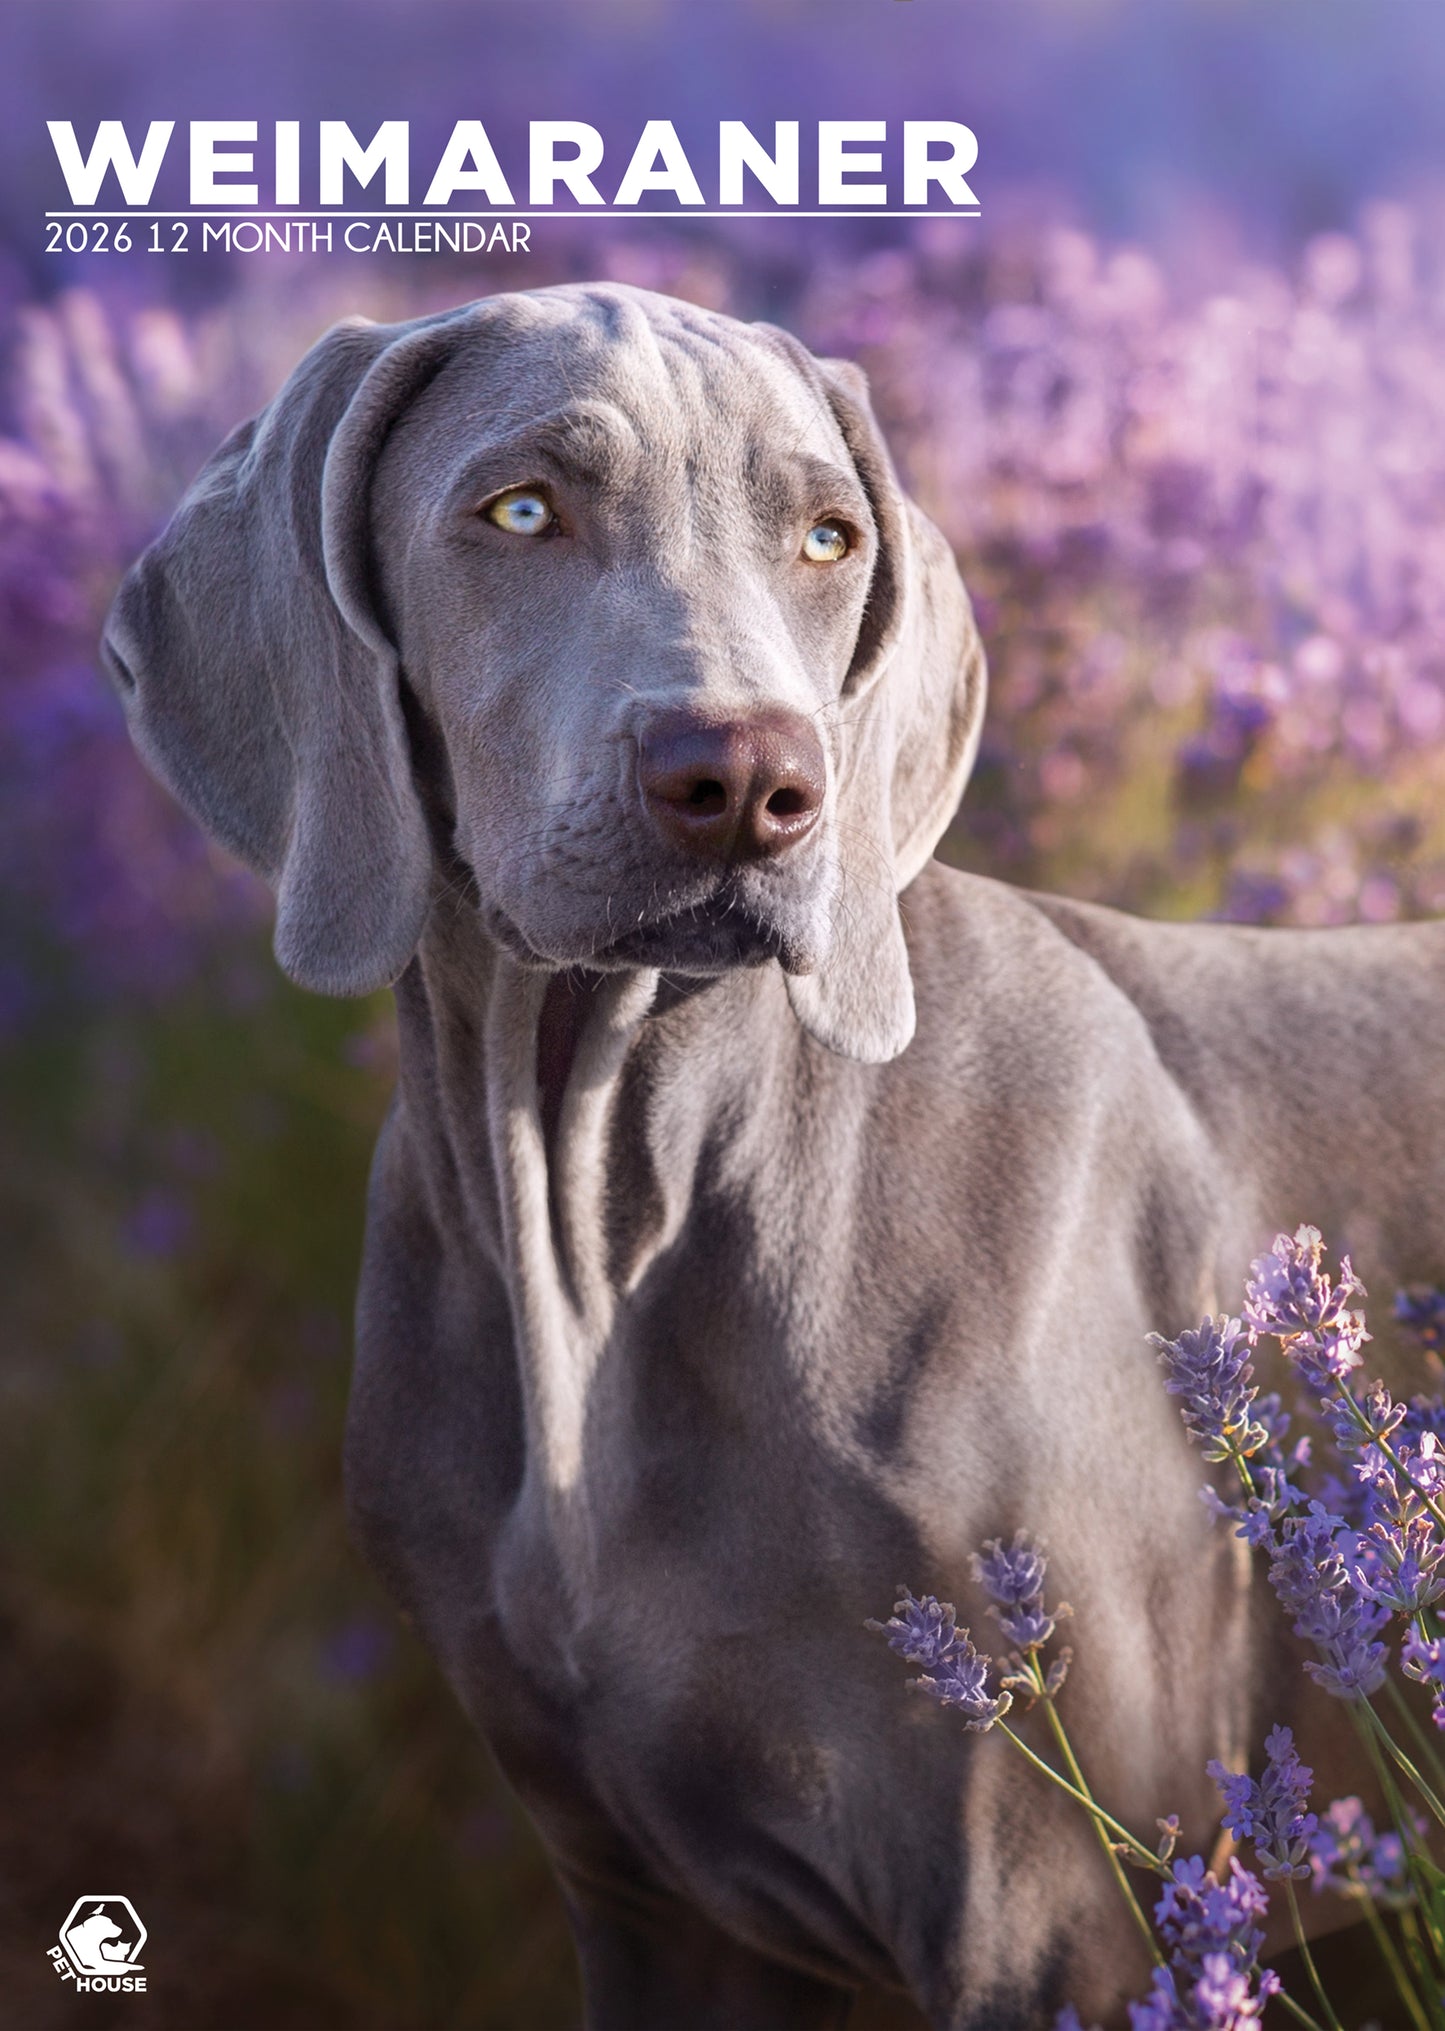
(922, 1631)
(1219, 1999)
(925, 1631)
(1387, 1875)
(962, 1681)
(1223, 1410)
(1291, 1296)
(1423, 1658)
(1197, 1914)
(1030, 1626)
(1014, 1576)
(1290, 1292)
(1223, 1998)
(1360, 1427)
(1347, 1856)
(1213, 1981)
(1424, 1463)
(1399, 1564)
(1271, 1813)
(1308, 1574)
(1211, 1369)
(1343, 1837)
(1161, 2009)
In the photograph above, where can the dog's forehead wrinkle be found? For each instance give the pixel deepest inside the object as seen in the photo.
(697, 367)
(523, 415)
(592, 428)
(693, 434)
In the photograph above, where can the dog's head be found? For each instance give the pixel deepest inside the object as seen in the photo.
(626, 593)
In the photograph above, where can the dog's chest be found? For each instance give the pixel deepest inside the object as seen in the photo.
(735, 1728)
(677, 1659)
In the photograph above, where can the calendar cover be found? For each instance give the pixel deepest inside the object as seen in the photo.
(791, 1159)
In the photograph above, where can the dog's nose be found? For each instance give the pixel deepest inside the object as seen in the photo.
(735, 789)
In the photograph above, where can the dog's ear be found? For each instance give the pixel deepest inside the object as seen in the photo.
(912, 709)
(258, 681)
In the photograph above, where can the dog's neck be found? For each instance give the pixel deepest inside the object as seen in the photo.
(516, 1078)
(570, 1000)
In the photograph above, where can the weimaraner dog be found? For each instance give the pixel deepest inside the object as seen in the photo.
(766, 1213)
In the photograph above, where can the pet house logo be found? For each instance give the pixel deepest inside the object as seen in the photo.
(100, 1945)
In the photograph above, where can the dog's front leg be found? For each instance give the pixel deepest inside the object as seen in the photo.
(671, 1969)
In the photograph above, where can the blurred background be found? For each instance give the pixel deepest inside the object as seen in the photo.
(1179, 401)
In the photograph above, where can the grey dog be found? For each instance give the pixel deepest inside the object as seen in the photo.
(765, 1212)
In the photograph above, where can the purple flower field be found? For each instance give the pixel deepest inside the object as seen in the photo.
(1206, 538)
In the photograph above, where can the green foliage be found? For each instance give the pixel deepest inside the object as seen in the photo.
(183, 1212)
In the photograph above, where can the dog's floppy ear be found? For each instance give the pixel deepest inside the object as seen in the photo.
(912, 709)
(257, 680)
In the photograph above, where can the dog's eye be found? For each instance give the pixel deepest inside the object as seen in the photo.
(522, 512)
(825, 543)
